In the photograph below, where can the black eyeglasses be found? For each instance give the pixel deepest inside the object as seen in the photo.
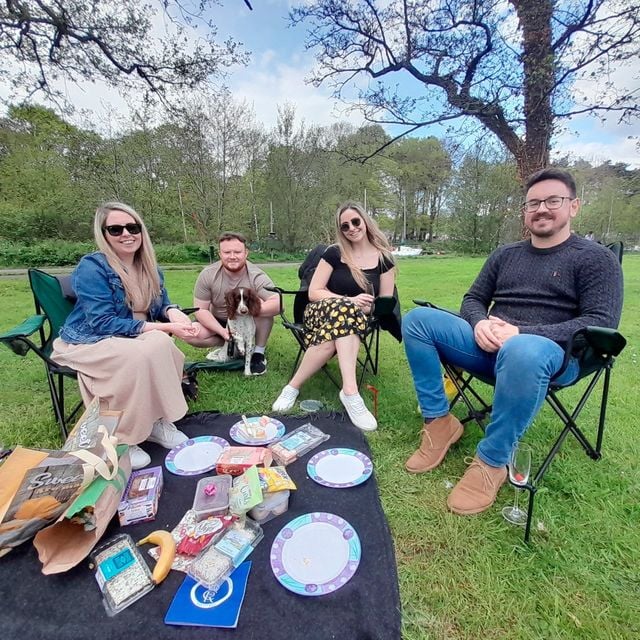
(355, 223)
(552, 203)
(118, 229)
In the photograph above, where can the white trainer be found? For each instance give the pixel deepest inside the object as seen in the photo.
(286, 399)
(166, 434)
(139, 458)
(358, 412)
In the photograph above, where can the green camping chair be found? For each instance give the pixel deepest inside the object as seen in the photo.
(54, 301)
(599, 348)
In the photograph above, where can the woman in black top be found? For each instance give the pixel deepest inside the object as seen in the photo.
(348, 277)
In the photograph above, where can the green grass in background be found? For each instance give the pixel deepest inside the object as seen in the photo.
(460, 578)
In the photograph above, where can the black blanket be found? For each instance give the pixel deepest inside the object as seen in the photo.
(34, 606)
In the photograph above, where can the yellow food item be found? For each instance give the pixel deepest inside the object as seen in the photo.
(167, 545)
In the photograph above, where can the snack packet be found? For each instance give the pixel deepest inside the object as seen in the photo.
(274, 479)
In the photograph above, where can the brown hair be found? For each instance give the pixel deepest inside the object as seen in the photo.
(232, 235)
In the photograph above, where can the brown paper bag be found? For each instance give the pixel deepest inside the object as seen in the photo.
(67, 542)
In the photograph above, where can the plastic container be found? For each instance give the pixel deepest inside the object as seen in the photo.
(273, 505)
(207, 502)
(121, 572)
(297, 443)
(214, 565)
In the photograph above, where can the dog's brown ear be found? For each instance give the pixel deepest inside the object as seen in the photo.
(231, 302)
(254, 303)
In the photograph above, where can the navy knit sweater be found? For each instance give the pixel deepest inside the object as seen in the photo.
(548, 292)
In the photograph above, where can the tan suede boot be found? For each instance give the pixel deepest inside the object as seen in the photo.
(477, 489)
(437, 437)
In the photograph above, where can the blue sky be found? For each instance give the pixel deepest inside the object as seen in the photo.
(276, 75)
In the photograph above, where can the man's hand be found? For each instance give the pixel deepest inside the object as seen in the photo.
(485, 337)
(224, 333)
(502, 330)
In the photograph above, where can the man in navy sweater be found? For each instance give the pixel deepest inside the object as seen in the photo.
(517, 318)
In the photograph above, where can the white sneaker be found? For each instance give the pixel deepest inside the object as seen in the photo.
(358, 412)
(139, 458)
(286, 399)
(166, 434)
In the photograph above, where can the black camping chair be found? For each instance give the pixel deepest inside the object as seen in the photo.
(598, 347)
(54, 300)
(384, 315)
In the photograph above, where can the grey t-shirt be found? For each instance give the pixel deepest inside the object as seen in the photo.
(214, 281)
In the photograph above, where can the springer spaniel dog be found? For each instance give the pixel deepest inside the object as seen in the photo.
(243, 305)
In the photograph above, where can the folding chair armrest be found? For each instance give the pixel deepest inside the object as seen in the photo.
(599, 341)
(17, 338)
(24, 329)
(383, 305)
(604, 341)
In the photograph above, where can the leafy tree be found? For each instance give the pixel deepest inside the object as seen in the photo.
(510, 66)
(114, 40)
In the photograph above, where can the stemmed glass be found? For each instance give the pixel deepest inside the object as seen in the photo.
(519, 470)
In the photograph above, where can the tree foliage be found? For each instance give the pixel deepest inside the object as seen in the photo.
(117, 41)
(513, 67)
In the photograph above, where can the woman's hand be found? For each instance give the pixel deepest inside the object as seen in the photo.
(182, 330)
(363, 301)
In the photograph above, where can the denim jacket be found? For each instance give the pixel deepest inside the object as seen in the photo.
(100, 310)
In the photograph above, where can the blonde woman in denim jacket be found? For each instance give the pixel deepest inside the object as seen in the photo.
(118, 336)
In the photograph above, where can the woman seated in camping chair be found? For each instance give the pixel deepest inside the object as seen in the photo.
(118, 335)
(350, 274)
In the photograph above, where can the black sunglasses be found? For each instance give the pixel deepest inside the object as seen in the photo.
(118, 229)
(355, 222)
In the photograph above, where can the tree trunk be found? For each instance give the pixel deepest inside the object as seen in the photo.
(538, 68)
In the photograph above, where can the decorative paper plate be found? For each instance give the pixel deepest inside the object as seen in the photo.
(339, 468)
(315, 554)
(273, 430)
(195, 456)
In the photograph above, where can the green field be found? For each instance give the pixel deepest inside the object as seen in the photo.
(459, 577)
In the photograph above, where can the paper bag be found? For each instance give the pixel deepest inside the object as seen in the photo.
(67, 542)
(37, 486)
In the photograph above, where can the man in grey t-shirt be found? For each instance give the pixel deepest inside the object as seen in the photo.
(231, 271)
(516, 320)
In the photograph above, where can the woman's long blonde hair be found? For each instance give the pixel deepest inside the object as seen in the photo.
(374, 235)
(143, 285)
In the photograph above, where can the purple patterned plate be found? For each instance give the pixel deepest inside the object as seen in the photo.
(195, 456)
(272, 431)
(316, 553)
(339, 468)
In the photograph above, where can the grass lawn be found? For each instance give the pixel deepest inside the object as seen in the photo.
(459, 577)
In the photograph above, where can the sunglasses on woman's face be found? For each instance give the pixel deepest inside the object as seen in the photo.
(355, 223)
(118, 229)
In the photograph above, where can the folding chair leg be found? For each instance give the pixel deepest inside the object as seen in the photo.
(56, 389)
(532, 494)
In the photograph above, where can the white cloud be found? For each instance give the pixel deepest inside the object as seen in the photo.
(272, 82)
(623, 149)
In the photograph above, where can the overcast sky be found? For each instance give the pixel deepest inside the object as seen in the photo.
(278, 68)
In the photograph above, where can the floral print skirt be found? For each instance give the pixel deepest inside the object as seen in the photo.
(333, 318)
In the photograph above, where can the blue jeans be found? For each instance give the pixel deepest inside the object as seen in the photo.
(521, 368)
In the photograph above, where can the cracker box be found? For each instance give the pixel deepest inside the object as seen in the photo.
(140, 499)
(236, 460)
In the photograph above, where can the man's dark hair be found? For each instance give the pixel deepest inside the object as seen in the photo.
(232, 235)
(551, 173)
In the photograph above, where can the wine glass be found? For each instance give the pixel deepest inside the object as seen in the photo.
(519, 470)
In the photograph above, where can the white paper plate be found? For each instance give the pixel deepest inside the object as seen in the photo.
(315, 554)
(195, 456)
(339, 468)
(274, 430)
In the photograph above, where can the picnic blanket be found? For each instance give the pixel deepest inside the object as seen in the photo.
(34, 606)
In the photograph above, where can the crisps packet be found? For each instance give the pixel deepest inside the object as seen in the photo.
(274, 479)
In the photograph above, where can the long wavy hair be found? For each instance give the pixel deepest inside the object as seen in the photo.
(374, 235)
(143, 285)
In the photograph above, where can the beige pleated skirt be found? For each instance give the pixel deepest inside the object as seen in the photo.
(139, 376)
